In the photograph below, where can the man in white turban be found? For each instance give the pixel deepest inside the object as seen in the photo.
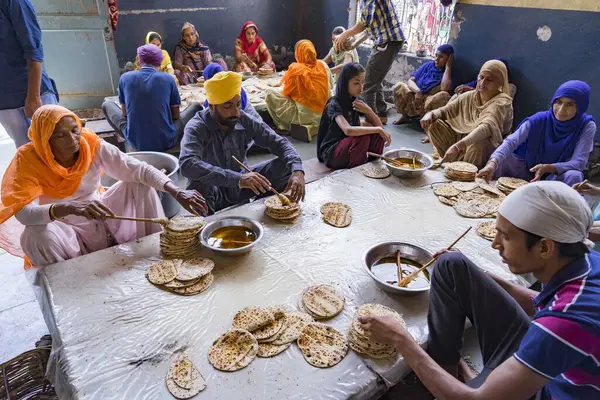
(544, 344)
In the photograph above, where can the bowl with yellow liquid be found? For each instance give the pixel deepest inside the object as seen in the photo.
(379, 261)
(231, 236)
(409, 163)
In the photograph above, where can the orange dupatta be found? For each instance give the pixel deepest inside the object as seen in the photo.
(306, 81)
(34, 171)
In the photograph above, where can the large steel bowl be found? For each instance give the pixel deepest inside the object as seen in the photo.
(421, 157)
(390, 249)
(250, 223)
(159, 161)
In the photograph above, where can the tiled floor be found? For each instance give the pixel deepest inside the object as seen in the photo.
(21, 322)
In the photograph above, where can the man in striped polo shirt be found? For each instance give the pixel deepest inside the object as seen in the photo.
(542, 229)
(379, 19)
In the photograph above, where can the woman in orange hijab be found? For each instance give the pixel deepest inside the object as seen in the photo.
(52, 188)
(306, 87)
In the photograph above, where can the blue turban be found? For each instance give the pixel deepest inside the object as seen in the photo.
(150, 54)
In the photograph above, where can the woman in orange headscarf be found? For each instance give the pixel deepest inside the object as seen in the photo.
(306, 87)
(251, 52)
(52, 188)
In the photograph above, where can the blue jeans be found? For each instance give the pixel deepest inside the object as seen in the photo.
(17, 124)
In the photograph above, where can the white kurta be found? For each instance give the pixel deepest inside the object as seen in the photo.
(45, 241)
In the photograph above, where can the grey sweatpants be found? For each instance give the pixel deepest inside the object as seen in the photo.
(459, 290)
(379, 64)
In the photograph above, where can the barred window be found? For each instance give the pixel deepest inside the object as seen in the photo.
(425, 23)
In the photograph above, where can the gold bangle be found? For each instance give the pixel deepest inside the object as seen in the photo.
(51, 212)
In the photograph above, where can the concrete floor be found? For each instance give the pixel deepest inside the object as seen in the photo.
(21, 322)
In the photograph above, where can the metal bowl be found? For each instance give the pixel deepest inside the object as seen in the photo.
(159, 161)
(250, 223)
(421, 157)
(389, 249)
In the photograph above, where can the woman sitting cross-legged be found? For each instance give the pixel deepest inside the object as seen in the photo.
(251, 52)
(471, 127)
(52, 187)
(342, 141)
(550, 145)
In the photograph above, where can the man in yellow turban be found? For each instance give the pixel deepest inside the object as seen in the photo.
(223, 131)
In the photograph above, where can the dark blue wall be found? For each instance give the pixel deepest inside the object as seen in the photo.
(537, 67)
(281, 22)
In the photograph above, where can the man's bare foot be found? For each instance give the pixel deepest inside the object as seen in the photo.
(401, 120)
(466, 371)
(425, 139)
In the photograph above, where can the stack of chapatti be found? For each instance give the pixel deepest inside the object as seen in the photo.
(360, 343)
(508, 185)
(460, 171)
(180, 238)
(470, 199)
(184, 381)
(487, 230)
(321, 301)
(187, 278)
(322, 346)
(286, 213)
(233, 350)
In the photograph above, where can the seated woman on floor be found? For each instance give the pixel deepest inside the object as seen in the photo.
(428, 87)
(211, 70)
(550, 145)
(469, 86)
(166, 65)
(306, 88)
(341, 58)
(51, 187)
(342, 141)
(470, 128)
(251, 52)
(191, 56)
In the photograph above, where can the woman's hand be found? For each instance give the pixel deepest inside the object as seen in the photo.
(185, 68)
(487, 171)
(387, 138)
(451, 154)
(94, 209)
(586, 188)
(541, 170)
(427, 120)
(463, 89)
(361, 107)
(192, 201)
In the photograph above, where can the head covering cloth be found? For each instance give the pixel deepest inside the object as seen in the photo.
(306, 80)
(211, 70)
(34, 172)
(550, 140)
(549, 209)
(223, 87)
(249, 48)
(150, 54)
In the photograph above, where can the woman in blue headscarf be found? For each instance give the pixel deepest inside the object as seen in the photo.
(428, 87)
(211, 70)
(550, 145)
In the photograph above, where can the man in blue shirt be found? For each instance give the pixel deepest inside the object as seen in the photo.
(24, 85)
(148, 117)
(223, 131)
(542, 229)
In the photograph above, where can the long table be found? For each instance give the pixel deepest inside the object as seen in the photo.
(115, 333)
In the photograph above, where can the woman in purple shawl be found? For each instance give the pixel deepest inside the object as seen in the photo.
(428, 87)
(550, 145)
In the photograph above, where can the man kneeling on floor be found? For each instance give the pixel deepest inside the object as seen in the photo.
(223, 131)
(542, 229)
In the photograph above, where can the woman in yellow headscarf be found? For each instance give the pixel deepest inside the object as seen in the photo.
(166, 66)
(471, 127)
(52, 188)
(306, 87)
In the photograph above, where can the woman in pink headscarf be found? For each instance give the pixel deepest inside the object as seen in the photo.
(251, 52)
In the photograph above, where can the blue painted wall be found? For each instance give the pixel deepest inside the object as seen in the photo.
(537, 67)
(281, 22)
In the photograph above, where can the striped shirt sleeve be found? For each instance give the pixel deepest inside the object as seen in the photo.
(553, 345)
(366, 17)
